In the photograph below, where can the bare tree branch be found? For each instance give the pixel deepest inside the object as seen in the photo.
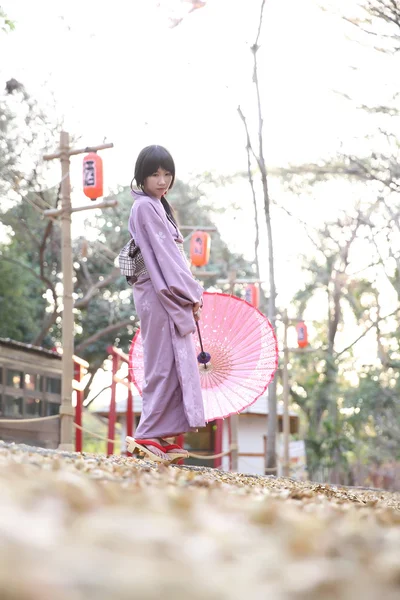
(92, 291)
(42, 249)
(260, 23)
(107, 387)
(85, 271)
(28, 268)
(272, 405)
(303, 223)
(105, 331)
(250, 177)
(49, 321)
(28, 231)
(337, 354)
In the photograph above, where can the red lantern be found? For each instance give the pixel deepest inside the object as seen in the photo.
(200, 248)
(252, 294)
(302, 338)
(93, 176)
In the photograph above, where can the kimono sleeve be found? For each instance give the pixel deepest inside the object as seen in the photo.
(172, 280)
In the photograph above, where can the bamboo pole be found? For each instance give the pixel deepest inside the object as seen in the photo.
(66, 410)
(55, 212)
(72, 152)
(286, 418)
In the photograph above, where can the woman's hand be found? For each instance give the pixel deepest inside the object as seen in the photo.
(196, 311)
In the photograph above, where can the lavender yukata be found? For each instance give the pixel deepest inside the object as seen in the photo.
(164, 298)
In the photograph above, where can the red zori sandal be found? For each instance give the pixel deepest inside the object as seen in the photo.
(175, 456)
(140, 446)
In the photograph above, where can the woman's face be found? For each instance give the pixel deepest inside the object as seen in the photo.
(157, 184)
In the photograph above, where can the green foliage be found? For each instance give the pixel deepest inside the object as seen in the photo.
(6, 24)
(318, 385)
(21, 302)
(376, 417)
(22, 289)
(93, 444)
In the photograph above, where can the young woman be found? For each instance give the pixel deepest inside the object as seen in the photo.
(167, 300)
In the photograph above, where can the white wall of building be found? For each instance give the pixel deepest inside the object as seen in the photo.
(252, 428)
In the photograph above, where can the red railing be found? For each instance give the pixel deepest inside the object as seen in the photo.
(117, 357)
(80, 367)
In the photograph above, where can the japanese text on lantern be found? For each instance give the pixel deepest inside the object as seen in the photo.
(92, 176)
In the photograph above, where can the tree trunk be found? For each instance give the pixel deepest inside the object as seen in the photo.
(272, 401)
(253, 192)
(272, 417)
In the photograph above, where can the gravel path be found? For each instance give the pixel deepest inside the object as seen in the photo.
(81, 526)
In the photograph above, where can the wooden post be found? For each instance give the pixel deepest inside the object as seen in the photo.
(130, 413)
(286, 418)
(219, 424)
(78, 409)
(66, 410)
(233, 419)
(234, 426)
(55, 212)
(265, 452)
(113, 412)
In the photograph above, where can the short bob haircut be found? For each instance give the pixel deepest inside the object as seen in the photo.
(149, 161)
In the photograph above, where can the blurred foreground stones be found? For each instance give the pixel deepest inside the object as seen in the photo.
(82, 527)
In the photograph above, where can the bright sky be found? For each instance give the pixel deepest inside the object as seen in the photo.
(125, 75)
(119, 73)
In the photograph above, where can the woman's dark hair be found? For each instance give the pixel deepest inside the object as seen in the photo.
(150, 159)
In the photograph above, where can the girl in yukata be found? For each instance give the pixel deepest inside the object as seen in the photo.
(168, 302)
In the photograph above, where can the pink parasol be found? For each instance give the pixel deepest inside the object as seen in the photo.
(243, 355)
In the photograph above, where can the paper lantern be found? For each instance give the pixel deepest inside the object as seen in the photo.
(92, 176)
(252, 294)
(302, 338)
(200, 248)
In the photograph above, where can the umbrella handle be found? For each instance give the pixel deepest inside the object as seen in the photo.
(200, 340)
(204, 357)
